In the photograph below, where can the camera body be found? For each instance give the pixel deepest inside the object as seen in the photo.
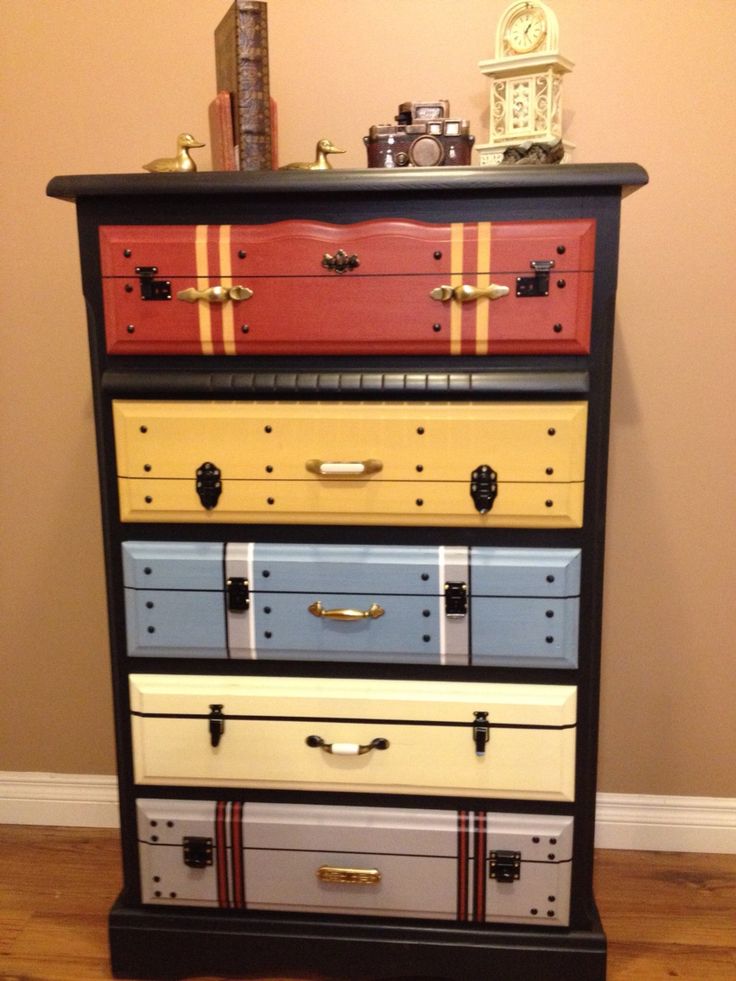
(423, 135)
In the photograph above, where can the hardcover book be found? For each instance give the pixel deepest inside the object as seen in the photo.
(241, 62)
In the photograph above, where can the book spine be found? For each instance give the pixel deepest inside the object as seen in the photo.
(252, 106)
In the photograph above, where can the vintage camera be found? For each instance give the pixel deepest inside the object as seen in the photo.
(424, 136)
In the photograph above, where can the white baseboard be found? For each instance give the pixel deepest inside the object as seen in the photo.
(666, 824)
(636, 821)
(69, 800)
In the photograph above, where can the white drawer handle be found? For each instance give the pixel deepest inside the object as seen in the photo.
(347, 749)
(344, 468)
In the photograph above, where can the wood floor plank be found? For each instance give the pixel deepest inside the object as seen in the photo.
(666, 915)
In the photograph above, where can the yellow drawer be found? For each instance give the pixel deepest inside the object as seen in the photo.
(411, 737)
(344, 462)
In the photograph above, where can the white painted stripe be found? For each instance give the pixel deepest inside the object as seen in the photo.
(240, 626)
(252, 616)
(440, 605)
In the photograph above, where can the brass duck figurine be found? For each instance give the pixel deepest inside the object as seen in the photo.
(320, 161)
(182, 163)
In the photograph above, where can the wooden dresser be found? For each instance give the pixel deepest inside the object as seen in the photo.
(352, 432)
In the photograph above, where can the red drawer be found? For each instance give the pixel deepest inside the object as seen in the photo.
(377, 287)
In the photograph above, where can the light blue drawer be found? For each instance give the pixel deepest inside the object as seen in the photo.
(420, 605)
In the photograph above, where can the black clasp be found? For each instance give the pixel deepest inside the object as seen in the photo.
(152, 289)
(481, 732)
(505, 866)
(238, 594)
(456, 599)
(197, 852)
(484, 488)
(538, 284)
(340, 262)
(217, 724)
(209, 485)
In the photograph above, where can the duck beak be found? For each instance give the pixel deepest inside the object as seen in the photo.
(335, 149)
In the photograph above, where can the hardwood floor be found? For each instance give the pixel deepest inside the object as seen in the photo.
(667, 915)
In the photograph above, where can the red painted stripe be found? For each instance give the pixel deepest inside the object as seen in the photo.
(462, 865)
(221, 848)
(236, 842)
(479, 896)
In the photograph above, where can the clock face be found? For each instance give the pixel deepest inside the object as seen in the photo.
(527, 30)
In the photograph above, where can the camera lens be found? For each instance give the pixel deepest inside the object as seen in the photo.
(426, 151)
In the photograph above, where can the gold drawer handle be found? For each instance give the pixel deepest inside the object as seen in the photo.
(346, 749)
(466, 293)
(352, 877)
(344, 468)
(372, 613)
(215, 294)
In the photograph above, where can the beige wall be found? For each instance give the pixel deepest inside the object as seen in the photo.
(102, 87)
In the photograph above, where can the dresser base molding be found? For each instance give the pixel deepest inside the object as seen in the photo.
(154, 944)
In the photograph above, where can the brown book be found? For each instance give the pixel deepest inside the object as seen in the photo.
(222, 138)
(241, 62)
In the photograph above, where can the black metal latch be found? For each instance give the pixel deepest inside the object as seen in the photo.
(152, 289)
(217, 724)
(483, 487)
(505, 866)
(238, 594)
(209, 485)
(456, 599)
(538, 284)
(481, 732)
(197, 852)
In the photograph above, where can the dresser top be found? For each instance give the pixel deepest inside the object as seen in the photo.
(432, 180)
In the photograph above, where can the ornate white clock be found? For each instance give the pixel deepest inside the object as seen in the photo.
(526, 83)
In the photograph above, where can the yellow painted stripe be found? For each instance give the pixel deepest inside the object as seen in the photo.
(203, 281)
(456, 279)
(482, 309)
(226, 273)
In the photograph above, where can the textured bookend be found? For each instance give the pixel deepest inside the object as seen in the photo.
(222, 137)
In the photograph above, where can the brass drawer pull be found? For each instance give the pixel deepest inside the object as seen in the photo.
(215, 294)
(344, 468)
(353, 877)
(466, 293)
(346, 749)
(372, 613)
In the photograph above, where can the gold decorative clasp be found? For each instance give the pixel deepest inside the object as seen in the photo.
(352, 877)
(215, 294)
(340, 262)
(467, 293)
(373, 612)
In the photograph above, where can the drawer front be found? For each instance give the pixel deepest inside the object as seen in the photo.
(422, 604)
(491, 740)
(482, 866)
(377, 287)
(514, 464)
